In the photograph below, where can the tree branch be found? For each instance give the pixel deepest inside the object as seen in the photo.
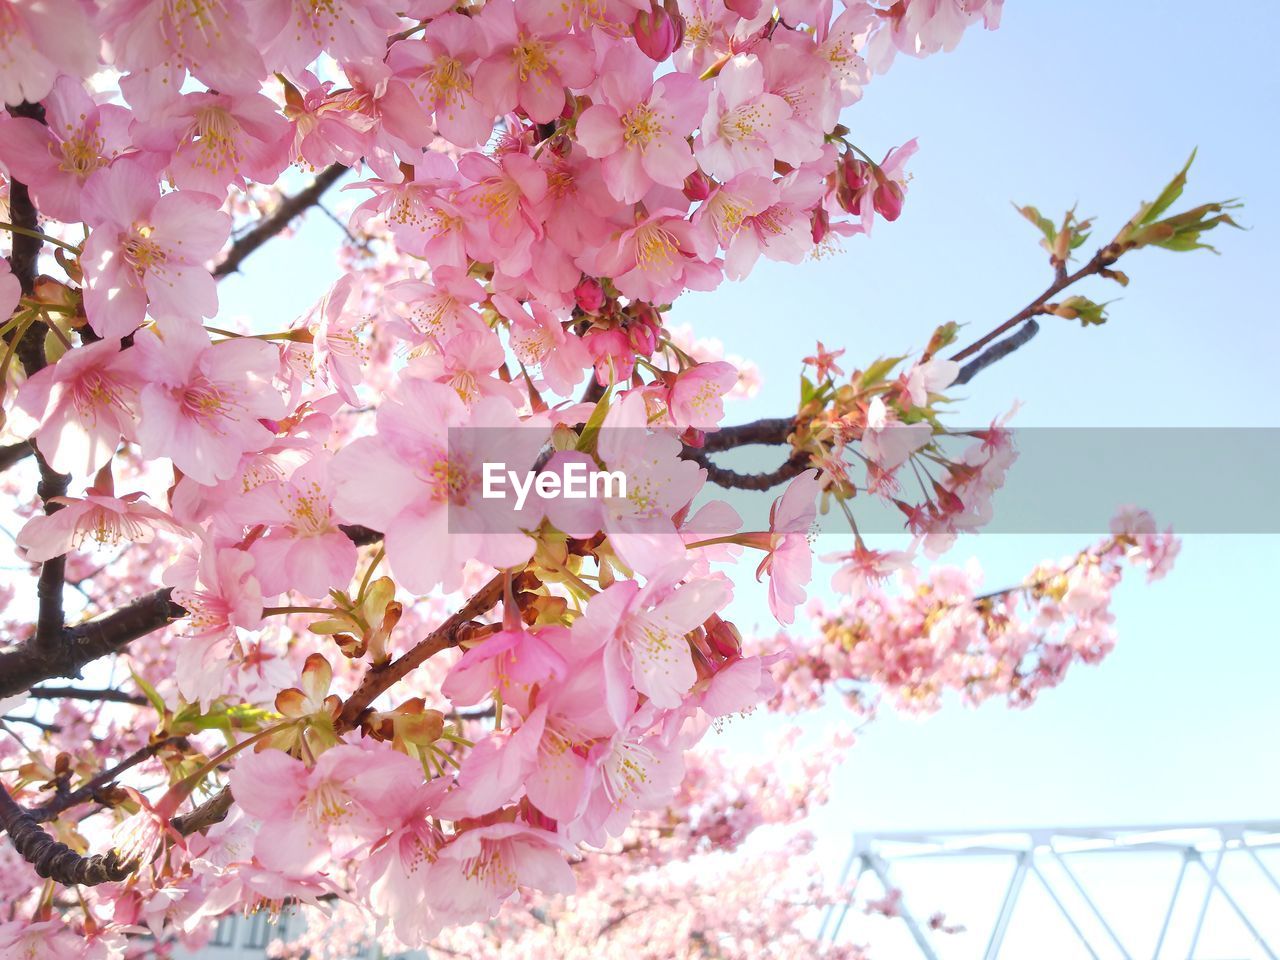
(997, 351)
(15, 453)
(90, 789)
(52, 859)
(80, 693)
(1100, 261)
(378, 679)
(278, 219)
(29, 663)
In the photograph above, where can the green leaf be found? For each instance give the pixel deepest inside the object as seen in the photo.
(1171, 192)
(591, 430)
(1083, 309)
(878, 371)
(149, 692)
(1041, 222)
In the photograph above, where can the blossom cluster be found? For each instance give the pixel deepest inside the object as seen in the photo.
(538, 182)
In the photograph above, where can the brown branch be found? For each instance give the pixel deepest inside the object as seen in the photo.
(15, 453)
(52, 859)
(278, 219)
(997, 351)
(448, 634)
(80, 693)
(793, 466)
(91, 789)
(25, 264)
(773, 431)
(378, 679)
(1099, 262)
(28, 663)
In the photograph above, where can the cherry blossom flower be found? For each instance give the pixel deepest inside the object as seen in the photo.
(303, 548)
(158, 41)
(789, 559)
(420, 483)
(533, 58)
(638, 128)
(642, 631)
(55, 158)
(439, 69)
(695, 399)
(746, 128)
(203, 403)
(146, 252)
(80, 407)
(225, 139)
(888, 441)
(100, 517)
(481, 867)
(659, 258)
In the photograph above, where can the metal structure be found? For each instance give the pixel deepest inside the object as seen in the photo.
(1044, 856)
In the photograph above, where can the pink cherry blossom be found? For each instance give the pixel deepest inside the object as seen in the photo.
(638, 127)
(789, 559)
(481, 867)
(99, 517)
(226, 139)
(80, 407)
(746, 127)
(421, 484)
(694, 400)
(55, 158)
(659, 258)
(642, 631)
(303, 547)
(203, 403)
(439, 69)
(533, 58)
(147, 253)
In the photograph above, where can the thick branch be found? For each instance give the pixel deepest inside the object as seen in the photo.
(15, 453)
(278, 219)
(51, 858)
(793, 466)
(29, 663)
(25, 264)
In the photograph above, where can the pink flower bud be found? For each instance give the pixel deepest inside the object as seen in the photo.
(697, 186)
(888, 199)
(658, 34)
(642, 338)
(589, 295)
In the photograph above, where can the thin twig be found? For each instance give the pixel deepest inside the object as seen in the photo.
(278, 219)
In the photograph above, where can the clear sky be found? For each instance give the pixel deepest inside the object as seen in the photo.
(1095, 102)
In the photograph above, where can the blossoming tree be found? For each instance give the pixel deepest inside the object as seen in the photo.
(315, 667)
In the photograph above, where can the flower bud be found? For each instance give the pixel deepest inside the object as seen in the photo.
(724, 637)
(589, 295)
(697, 186)
(658, 34)
(888, 199)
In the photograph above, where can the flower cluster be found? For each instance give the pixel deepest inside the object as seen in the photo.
(537, 183)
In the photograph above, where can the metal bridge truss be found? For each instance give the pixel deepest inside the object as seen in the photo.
(1203, 848)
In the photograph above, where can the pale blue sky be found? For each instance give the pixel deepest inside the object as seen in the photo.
(1094, 102)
